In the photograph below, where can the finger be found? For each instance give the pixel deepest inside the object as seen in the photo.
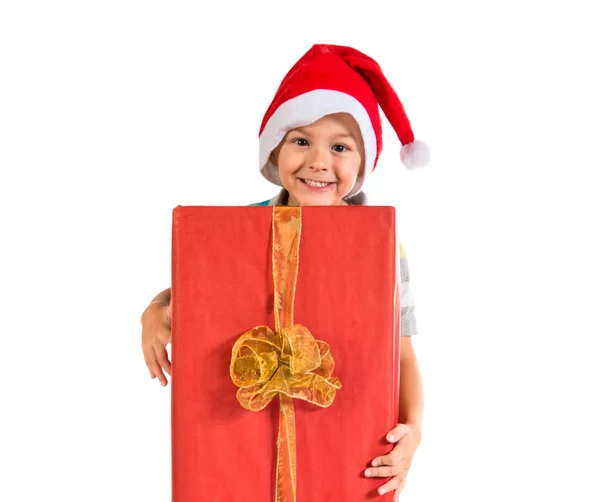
(163, 358)
(397, 433)
(155, 367)
(152, 375)
(392, 484)
(147, 360)
(399, 488)
(393, 458)
(385, 471)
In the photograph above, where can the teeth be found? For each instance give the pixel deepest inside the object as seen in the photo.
(315, 183)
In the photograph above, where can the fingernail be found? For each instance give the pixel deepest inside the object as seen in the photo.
(367, 473)
(164, 383)
(374, 463)
(391, 437)
(381, 491)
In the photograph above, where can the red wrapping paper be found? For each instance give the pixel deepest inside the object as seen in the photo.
(222, 285)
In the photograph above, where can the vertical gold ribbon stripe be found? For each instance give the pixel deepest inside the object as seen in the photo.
(288, 361)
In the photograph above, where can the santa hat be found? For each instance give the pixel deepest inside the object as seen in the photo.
(333, 79)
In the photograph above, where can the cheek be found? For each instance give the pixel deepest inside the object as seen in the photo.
(351, 172)
(285, 171)
(288, 163)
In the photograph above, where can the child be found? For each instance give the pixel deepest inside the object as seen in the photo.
(319, 139)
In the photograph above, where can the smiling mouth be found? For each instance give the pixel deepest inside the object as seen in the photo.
(316, 184)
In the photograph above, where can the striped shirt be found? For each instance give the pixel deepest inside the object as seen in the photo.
(408, 321)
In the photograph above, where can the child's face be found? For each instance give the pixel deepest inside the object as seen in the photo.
(319, 163)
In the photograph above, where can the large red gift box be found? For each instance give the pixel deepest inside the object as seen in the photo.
(222, 286)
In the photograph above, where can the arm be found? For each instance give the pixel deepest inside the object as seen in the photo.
(396, 463)
(411, 388)
(407, 433)
(164, 297)
(161, 300)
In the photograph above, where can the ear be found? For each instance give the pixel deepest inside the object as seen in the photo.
(273, 158)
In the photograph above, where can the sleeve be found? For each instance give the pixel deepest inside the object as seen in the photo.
(408, 323)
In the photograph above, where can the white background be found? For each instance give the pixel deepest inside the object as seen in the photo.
(113, 113)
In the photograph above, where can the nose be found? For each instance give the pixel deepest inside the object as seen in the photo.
(318, 159)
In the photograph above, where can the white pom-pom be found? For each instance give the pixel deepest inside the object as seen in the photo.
(414, 155)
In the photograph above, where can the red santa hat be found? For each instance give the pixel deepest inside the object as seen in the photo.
(332, 79)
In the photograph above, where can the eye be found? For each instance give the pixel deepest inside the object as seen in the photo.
(299, 139)
(345, 148)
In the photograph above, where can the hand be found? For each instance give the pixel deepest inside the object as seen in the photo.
(156, 334)
(396, 463)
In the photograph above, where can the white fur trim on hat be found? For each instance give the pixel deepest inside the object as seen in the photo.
(305, 109)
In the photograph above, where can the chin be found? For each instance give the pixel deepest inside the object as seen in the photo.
(318, 201)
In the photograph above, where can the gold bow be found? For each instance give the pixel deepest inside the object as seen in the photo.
(288, 362)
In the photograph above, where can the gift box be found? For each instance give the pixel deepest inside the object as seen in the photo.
(229, 289)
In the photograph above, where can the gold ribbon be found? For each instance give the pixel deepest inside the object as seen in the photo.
(288, 362)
